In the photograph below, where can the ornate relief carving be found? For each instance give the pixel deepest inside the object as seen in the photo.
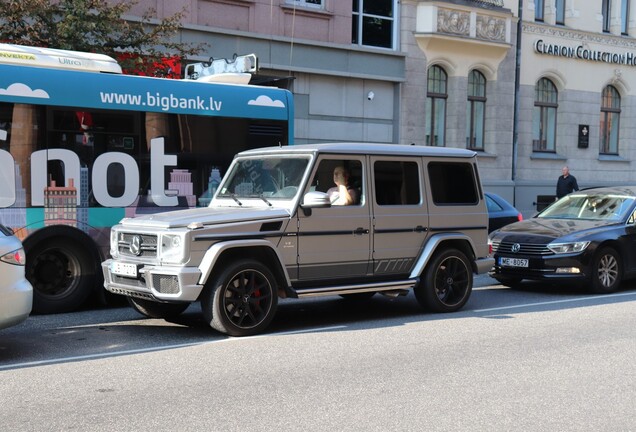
(491, 28)
(579, 36)
(453, 22)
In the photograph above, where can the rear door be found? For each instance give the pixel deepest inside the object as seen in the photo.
(400, 213)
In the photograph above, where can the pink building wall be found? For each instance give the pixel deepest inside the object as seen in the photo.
(267, 17)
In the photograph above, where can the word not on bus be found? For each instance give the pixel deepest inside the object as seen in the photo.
(99, 177)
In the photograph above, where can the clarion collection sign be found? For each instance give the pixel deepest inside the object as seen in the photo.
(583, 53)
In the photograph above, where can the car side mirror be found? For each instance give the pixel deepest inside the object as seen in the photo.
(313, 200)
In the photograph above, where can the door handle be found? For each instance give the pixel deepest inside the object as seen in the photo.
(360, 231)
(419, 229)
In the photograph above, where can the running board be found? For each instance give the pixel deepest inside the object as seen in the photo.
(352, 289)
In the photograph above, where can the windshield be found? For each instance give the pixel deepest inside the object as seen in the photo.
(594, 207)
(265, 177)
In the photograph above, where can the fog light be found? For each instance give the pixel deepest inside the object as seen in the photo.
(574, 270)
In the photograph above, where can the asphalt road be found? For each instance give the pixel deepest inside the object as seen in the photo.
(537, 359)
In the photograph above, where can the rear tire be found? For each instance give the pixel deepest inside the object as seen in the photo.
(63, 273)
(242, 300)
(447, 282)
(153, 309)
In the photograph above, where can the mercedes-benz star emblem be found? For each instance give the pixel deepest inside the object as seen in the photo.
(515, 247)
(135, 245)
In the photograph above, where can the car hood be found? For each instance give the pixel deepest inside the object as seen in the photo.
(546, 229)
(205, 216)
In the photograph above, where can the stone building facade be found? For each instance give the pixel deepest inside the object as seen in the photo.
(529, 95)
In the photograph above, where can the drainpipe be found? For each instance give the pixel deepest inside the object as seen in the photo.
(515, 118)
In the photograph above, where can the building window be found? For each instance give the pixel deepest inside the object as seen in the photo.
(605, 11)
(624, 16)
(374, 23)
(538, 10)
(475, 111)
(318, 4)
(544, 116)
(560, 11)
(436, 106)
(610, 119)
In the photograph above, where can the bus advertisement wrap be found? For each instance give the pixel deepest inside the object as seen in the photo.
(81, 150)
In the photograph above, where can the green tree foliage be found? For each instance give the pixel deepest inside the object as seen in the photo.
(141, 44)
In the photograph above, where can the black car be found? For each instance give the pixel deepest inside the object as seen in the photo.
(588, 237)
(500, 212)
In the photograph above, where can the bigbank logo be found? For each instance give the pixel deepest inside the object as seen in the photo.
(23, 90)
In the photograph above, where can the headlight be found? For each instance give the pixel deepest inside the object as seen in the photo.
(16, 257)
(114, 244)
(562, 248)
(172, 248)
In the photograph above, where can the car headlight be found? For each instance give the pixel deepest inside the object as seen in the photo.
(562, 248)
(114, 243)
(17, 257)
(172, 248)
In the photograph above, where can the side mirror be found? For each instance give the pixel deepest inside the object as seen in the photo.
(313, 200)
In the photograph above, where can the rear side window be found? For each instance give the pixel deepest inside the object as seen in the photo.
(396, 183)
(452, 183)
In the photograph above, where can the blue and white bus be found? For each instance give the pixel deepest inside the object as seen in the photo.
(82, 146)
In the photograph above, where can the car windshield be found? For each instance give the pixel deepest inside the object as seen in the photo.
(265, 177)
(611, 207)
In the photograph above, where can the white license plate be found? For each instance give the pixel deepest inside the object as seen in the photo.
(123, 269)
(513, 262)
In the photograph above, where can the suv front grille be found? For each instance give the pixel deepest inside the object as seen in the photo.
(147, 245)
(527, 249)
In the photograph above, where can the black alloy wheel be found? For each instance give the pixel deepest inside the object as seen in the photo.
(242, 300)
(447, 282)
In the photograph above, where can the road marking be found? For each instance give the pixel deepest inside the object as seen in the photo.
(526, 305)
(157, 348)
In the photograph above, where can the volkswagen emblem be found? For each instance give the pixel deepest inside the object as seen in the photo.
(515, 247)
(135, 245)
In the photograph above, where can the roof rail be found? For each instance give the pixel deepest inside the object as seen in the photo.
(57, 59)
(237, 70)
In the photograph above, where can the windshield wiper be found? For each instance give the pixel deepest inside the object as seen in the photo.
(261, 196)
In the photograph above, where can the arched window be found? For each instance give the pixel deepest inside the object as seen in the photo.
(544, 116)
(436, 106)
(610, 120)
(475, 110)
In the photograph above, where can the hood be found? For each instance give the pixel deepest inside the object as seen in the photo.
(551, 229)
(206, 216)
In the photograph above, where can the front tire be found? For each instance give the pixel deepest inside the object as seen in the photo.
(607, 271)
(242, 300)
(153, 309)
(447, 282)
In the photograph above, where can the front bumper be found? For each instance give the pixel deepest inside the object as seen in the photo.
(16, 302)
(571, 267)
(164, 284)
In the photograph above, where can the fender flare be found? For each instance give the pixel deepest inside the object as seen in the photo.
(216, 250)
(431, 246)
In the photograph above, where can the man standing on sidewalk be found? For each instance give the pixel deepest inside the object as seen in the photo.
(566, 183)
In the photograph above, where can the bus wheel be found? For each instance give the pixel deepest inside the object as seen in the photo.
(62, 273)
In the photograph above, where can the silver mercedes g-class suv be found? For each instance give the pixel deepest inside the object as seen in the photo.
(344, 219)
